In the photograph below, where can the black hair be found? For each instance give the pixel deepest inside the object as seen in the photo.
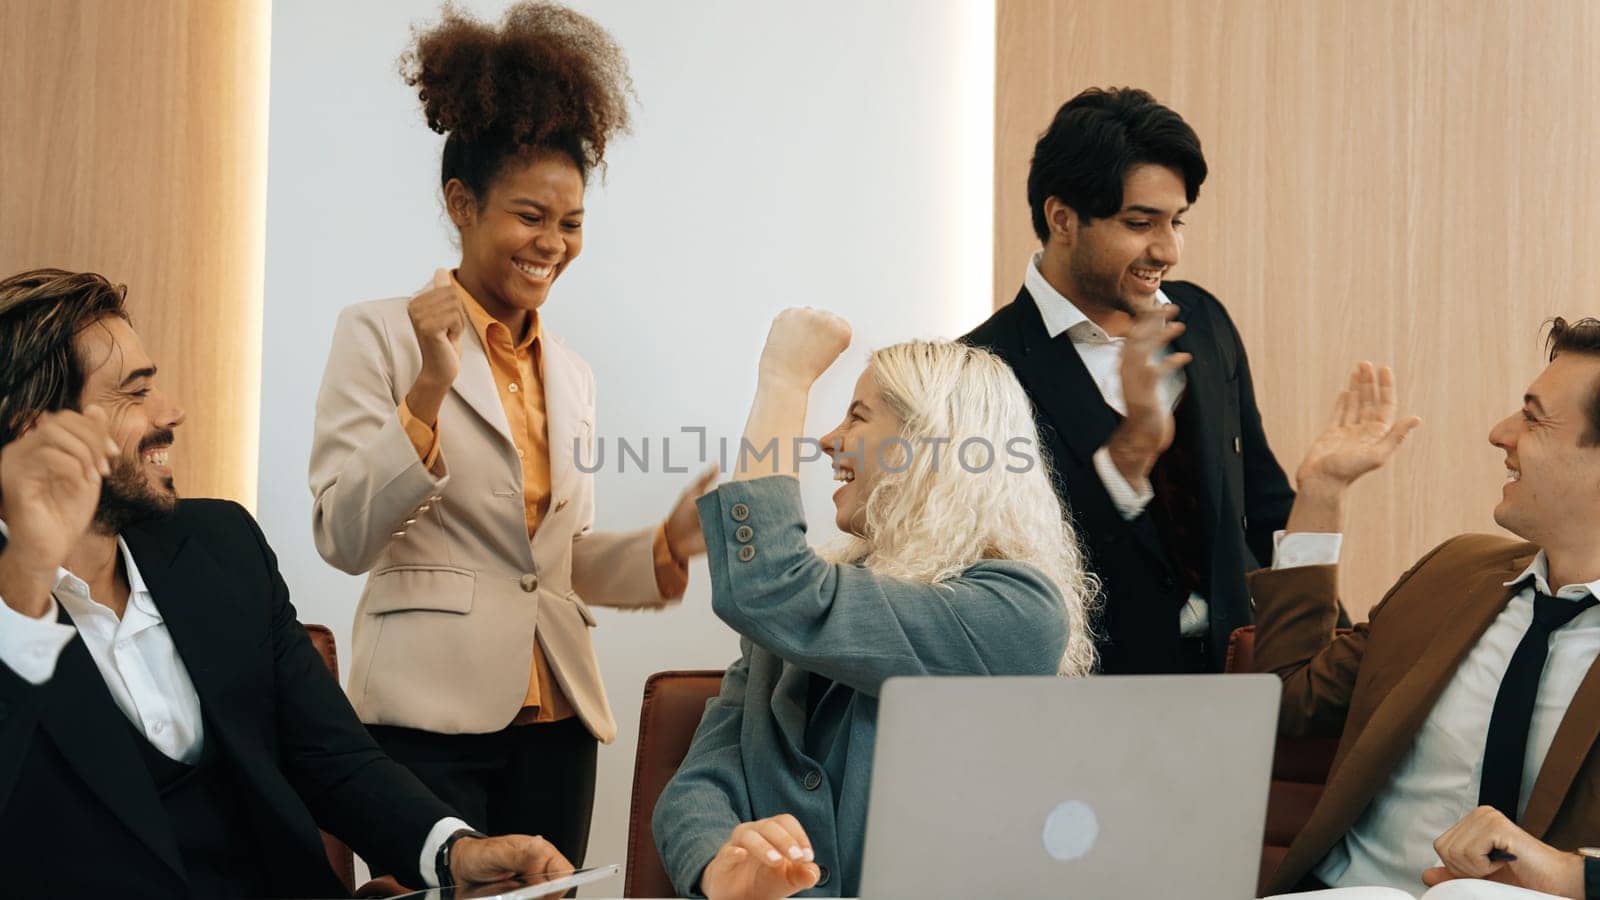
(1095, 138)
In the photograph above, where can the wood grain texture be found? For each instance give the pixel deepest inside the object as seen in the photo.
(133, 143)
(1412, 183)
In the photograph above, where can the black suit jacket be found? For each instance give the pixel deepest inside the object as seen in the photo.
(79, 815)
(1244, 495)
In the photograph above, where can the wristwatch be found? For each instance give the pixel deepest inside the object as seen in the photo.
(1591, 872)
(441, 861)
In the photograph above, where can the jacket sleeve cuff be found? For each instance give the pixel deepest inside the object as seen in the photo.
(441, 830)
(1291, 550)
(424, 437)
(1130, 500)
(672, 573)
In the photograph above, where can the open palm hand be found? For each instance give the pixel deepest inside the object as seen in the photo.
(1363, 432)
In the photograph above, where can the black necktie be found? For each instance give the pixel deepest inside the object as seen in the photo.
(1513, 706)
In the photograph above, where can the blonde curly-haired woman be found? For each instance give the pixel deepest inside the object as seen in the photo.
(959, 561)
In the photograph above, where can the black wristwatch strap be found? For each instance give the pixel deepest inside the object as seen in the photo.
(1591, 878)
(441, 861)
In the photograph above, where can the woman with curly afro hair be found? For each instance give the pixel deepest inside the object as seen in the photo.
(451, 426)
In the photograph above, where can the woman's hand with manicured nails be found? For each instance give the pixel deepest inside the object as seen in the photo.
(762, 860)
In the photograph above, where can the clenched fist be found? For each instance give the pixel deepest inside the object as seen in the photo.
(439, 322)
(50, 484)
(802, 343)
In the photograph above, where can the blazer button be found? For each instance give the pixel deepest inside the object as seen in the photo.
(823, 876)
(813, 780)
(1237, 446)
(744, 534)
(747, 553)
(530, 582)
(1244, 522)
(740, 512)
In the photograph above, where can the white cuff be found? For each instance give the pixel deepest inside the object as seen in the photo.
(29, 646)
(441, 830)
(1305, 548)
(1129, 499)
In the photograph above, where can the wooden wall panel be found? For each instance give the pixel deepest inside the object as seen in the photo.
(133, 143)
(1414, 183)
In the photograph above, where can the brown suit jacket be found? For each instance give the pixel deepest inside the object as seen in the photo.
(1374, 686)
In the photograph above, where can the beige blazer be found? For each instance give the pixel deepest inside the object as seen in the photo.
(1374, 687)
(457, 593)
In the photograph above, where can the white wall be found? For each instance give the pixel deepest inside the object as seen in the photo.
(830, 153)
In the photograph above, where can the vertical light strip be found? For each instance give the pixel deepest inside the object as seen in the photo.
(256, 90)
(973, 179)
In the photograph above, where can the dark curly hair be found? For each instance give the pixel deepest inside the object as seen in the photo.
(548, 79)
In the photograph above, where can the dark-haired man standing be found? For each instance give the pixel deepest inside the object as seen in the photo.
(166, 727)
(1141, 385)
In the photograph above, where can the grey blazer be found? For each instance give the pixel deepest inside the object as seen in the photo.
(828, 635)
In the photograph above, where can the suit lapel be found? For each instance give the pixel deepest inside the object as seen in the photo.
(789, 703)
(565, 412)
(1575, 736)
(1393, 725)
(1060, 385)
(91, 731)
(200, 609)
(475, 385)
(1205, 395)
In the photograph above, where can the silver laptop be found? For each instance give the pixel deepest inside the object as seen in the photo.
(1102, 788)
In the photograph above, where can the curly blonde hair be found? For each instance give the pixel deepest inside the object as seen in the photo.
(931, 516)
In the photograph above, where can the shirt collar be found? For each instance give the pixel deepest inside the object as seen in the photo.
(485, 324)
(1539, 572)
(1061, 314)
(73, 592)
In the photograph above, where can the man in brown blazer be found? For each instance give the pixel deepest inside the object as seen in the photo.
(1468, 705)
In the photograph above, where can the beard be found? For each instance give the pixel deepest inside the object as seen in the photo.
(127, 496)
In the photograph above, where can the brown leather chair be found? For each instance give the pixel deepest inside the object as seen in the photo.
(673, 705)
(1299, 771)
(339, 856)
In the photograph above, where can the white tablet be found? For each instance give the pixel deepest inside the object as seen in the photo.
(526, 888)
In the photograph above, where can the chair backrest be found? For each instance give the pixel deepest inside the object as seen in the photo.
(1299, 771)
(673, 705)
(339, 856)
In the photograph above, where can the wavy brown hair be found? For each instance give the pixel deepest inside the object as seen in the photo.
(547, 79)
(42, 312)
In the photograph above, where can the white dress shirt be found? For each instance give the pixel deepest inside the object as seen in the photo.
(1102, 356)
(140, 665)
(1436, 783)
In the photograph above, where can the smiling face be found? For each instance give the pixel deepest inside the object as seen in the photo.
(120, 378)
(859, 448)
(1117, 263)
(517, 241)
(1552, 491)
